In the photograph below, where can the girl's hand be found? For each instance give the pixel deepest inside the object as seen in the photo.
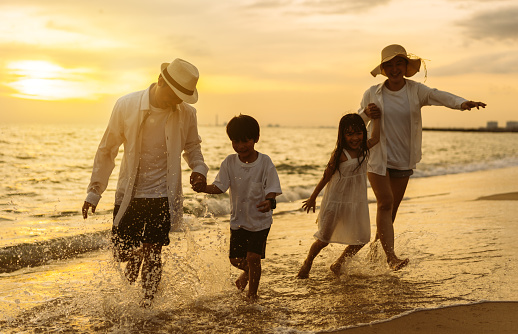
(372, 111)
(308, 204)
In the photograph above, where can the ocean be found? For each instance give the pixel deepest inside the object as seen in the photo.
(57, 273)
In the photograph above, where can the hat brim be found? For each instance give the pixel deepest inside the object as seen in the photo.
(412, 68)
(191, 99)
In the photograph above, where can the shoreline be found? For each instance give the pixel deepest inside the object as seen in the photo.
(480, 317)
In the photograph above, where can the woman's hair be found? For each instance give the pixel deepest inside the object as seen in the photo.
(355, 123)
(243, 128)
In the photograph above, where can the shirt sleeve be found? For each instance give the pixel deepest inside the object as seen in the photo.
(192, 149)
(104, 160)
(272, 182)
(222, 180)
(434, 97)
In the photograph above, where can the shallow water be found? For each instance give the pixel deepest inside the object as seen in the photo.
(461, 251)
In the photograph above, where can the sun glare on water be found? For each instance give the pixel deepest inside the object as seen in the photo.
(42, 80)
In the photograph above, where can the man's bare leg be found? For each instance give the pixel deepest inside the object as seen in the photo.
(151, 269)
(315, 248)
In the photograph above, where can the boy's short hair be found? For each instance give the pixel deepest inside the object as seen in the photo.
(243, 128)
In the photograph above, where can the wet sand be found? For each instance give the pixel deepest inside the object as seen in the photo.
(480, 189)
(486, 317)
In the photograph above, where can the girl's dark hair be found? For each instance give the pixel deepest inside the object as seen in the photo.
(243, 128)
(355, 123)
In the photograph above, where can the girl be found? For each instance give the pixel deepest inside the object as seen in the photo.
(344, 211)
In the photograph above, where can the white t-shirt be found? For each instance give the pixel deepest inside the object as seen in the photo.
(397, 127)
(152, 173)
(249, 184)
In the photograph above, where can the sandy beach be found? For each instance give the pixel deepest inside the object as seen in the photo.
(479, 192)
(486, 317)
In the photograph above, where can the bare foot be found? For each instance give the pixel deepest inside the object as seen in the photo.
(242, 281)
(252, 298)
(398, 264)
(336, 268)
(304, 270)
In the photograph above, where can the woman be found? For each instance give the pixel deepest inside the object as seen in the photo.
(392, 161)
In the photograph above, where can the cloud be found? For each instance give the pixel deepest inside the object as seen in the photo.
(495, 63)
(500, 24)
(320, 7)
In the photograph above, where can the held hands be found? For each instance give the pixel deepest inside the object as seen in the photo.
(308, 204)
(372, 111)
(472, 104)
(87, 206)
(198, 182)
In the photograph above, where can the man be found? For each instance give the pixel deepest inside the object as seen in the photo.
(155, 125)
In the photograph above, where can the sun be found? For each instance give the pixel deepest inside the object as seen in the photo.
(43, 80)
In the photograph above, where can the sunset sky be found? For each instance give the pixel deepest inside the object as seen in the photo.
(288, 62)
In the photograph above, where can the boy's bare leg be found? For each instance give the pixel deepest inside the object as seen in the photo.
(349, 251)
(133, 266)
(151, 269)
(242, 264)
(254, 265)
(315, 248)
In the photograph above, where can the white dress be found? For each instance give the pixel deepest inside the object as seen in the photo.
(344, 211)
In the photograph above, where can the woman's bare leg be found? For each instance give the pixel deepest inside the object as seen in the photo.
(382, 188)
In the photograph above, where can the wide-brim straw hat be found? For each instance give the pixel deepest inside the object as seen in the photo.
(182, 77)
(395, 50)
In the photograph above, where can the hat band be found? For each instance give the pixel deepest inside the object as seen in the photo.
(176, 84)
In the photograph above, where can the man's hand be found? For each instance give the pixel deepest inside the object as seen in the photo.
(198, 182)
(86, 206)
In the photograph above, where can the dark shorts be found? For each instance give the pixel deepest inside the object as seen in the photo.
(396, 173)
(243, 241)
(147, 220)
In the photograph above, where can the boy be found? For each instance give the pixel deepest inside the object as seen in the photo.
(254, 184)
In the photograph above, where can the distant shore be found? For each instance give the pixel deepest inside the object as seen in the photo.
(471, 129)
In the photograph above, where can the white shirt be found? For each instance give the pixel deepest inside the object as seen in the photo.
(397, 127)
(124, 128)
(249, 184)
(419, 95)
(152, 172)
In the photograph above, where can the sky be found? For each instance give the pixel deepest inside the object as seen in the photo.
(287, 62)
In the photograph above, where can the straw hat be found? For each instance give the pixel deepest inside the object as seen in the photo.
(395, 50)
(182, 77)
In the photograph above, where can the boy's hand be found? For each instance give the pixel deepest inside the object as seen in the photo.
(198, 182)
(264, 206)
(308, 204)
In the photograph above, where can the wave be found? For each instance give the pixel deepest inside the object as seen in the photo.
(39, 253)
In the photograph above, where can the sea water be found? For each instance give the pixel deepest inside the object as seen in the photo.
(57, 273)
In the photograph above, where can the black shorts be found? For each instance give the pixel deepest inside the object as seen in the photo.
(243, 241)
(397, 173)
(147, 220)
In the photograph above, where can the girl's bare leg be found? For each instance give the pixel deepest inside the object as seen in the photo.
(348, 252)
(133, 266)
(315, 248)
(381, 186)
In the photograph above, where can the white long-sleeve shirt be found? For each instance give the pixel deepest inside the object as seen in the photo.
(419, 95)
(124, 128)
